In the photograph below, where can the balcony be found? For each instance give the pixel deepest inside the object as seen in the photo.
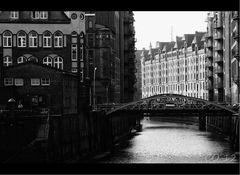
(219, 47)
(235, 35)
(218, 59)
(218, 24)
(209, 54)
(218, 70)
(235, 15)
(209, 35)
(218, 83)
(209, 64)
(209, 85)
(219, 36)
(209, 43)
(209, 74)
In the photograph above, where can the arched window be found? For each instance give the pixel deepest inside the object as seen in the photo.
(21, 59)
(58, 62)
(7, 61)
(32, 58)
(7, 39)
(33, 39)
(47, 39)
(47, 61)
(58, 39)
(21, 39)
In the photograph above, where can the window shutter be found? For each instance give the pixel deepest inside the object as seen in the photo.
(40, 41)
(65, 40)
(14, 40)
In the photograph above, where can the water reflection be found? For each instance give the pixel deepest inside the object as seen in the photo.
(166, 142)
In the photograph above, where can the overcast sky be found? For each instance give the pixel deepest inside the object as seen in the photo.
(152, 26)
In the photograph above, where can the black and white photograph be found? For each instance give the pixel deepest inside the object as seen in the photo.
(119, 90)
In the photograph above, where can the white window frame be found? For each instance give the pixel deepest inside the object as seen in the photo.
(14, 14)
(21, 40)
(33, 39)
(7, 40)
(74, 70)
(36, 14)
(45, 81)
(74, 47)
(47, 61)
(8, 81)
(58, 39)
(21, 59)
(58, 62)
(19, 82)
(47, 40)
(7, 61)
(35, 81)
(43, 15)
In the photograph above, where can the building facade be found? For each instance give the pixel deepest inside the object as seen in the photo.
(51, 38)
(223, 57)
(110, 48)
(175, 67)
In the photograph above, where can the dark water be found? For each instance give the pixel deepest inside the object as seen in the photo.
(167, 142)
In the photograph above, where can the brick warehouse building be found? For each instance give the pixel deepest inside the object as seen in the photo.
(51, 38)
(111, 47)
(223, 56)
(175, 67)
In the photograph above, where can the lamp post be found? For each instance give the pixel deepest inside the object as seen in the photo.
(94, 86)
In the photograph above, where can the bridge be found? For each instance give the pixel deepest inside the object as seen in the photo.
(172, 103)
(210, 115)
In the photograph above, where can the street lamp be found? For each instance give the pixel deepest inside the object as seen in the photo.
(94, 86)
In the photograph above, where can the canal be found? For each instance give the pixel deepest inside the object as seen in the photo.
(171, 142)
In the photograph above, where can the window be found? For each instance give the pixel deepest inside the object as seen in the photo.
(7, 39)
(90, 24)
(21, 39)
(74, 52)
(14, 14)
(8, 81)
(43, 15)
(58, 40)
(35, 14)
(21, 59)
(34, 59)
(45, 81)
(7, 61)
(47, 39)
(18, 81)
(58, 62)
(90, 39)
(47, 61)
(33, 39)
(35, 81)
(74, 70)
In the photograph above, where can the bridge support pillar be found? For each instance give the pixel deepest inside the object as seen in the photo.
(202, 122)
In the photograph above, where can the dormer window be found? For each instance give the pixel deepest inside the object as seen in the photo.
(35, 14)
(14, 14)
(44, 15)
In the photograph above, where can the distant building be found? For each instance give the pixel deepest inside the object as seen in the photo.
(50, 38)
(175, 67)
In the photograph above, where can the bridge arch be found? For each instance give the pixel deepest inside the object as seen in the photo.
(177, 100)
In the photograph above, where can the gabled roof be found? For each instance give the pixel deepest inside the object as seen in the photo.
(33, 63)
(188, 38)
(25, 17)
